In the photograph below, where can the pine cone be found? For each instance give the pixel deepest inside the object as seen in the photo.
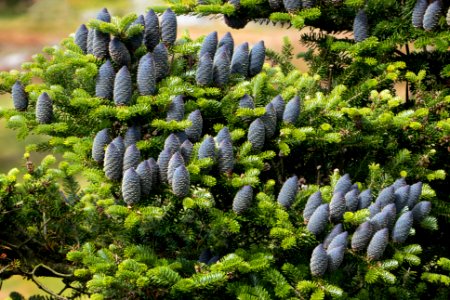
(119, 52)
(223, 134)
(81, 38)
(319, 219)
(44, 109)
(391, 214)
(168, 27)
(104, 15)
(100, 44)
(175, 161)
(122, 87)
(401, 196)
(432, 14)
(151, 33)
(421, 210)
(386, 196)
(113, 162)
(186, 150)
(343, 185)
(339, 240)
(90, 42)
(204, 75)
(226, 156)
(240, 60)
(402, 227)
(374, 208)
(337, 207)
(161, 58)
(172, 143)
(292, 111)
(256, 134)
(163, 164)
(292, 6)
(235, 22)
(221, 67)
(228, 42)
(155, 170)
(360, 26)
(270, 120)
(119, 143)
(314, 201)
(176, 109)
(319, 261)
(337, 229)
(378, 244)
(207, 148)
(399, 183)
(181, 181)
(146, 75)
(288, 192)
(135, 41)
(19, 96)
(104, 85)
(364, 199)
(132, 135)
(362, 236)
(256, 58)
(131, 158)
(145, 175)
(278, 104)
(243, 199)
(414, 194)
(335, 258)
(181, 135)
(209, 45)
(101, 140)
(131, 187)
(379, 221)
(194, 132)
(351, 200)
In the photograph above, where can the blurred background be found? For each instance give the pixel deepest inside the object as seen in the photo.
(26, 26)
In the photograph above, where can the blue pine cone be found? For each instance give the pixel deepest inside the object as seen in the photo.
(292, 111)
(314, 201)
(44, 109)
(402, 227)
(19, 96)
(319, 219)
(288, 192)
(151, 32)
(378, 244)
(168, 27)
(101, 140)
(319, 261)
(362, 236)
(131, 187)
(146, 75)
(104, 85)
(112, 165)
(122, 87)
(256, 134)
(243, 199)
(181, 181)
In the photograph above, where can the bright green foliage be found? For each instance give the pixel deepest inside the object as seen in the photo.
(115, 239)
